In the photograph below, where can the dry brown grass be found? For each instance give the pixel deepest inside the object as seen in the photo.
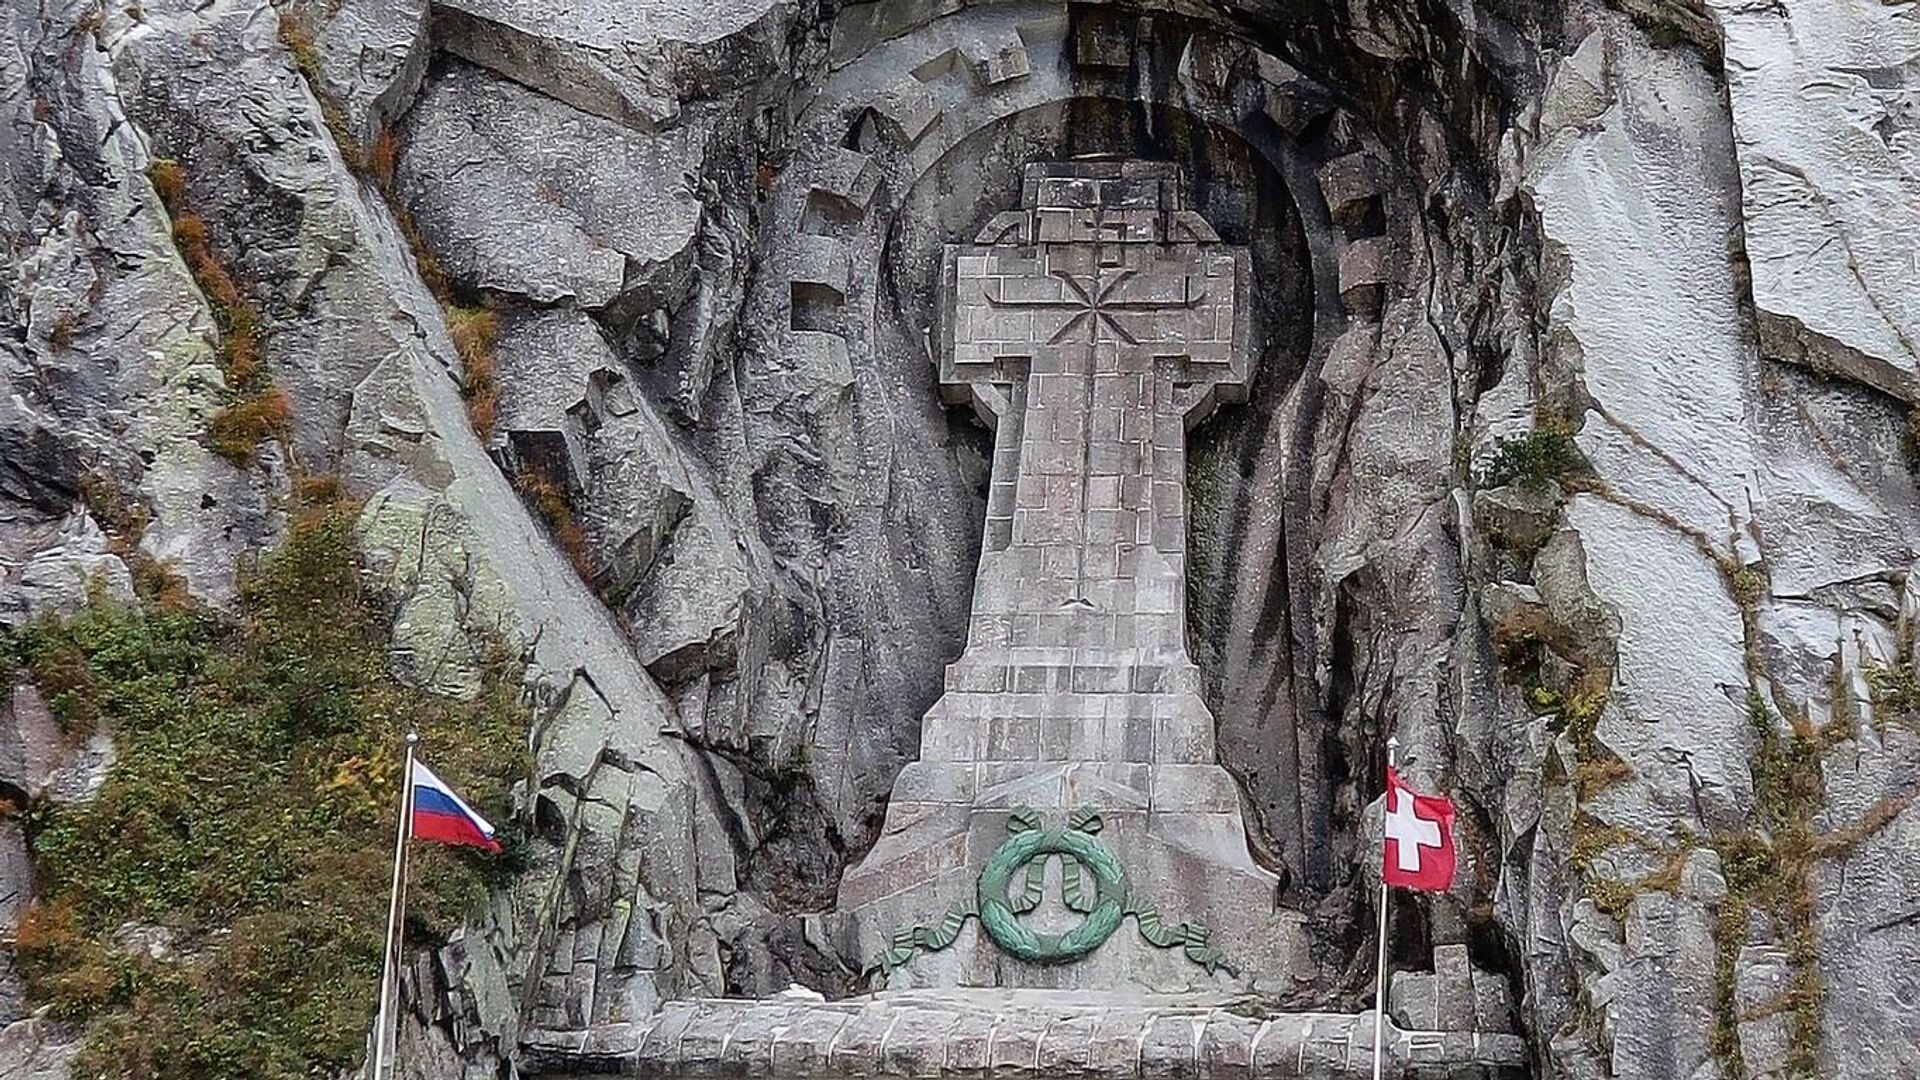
(60, 334)
(258, 411)
(169, 182)
(239, 320)
(235, 430)
(1878, 816)
(473, 331)
(1594, 776)
(382, 159)
(551, 502)
(298, 38)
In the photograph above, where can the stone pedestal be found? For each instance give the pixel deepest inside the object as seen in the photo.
(992, 1034)
(1091, 328)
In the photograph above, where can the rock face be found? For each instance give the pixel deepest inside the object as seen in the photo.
(1572, 445)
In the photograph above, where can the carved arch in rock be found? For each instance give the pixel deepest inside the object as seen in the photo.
(891, 115)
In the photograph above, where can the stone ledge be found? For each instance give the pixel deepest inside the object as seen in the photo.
(1009, 1033)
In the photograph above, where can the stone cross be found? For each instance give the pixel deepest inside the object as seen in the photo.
(1091, 328)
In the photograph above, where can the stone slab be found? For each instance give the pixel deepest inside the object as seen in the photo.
(986, 1033)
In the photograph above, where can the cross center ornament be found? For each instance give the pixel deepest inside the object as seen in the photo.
(1091, 329)
(1097, 301)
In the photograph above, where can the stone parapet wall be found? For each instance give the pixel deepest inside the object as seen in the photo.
(998, 1033)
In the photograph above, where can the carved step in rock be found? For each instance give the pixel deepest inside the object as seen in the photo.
(905, 112)
(841, 181)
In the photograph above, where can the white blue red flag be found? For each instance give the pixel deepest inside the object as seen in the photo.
(441, 816)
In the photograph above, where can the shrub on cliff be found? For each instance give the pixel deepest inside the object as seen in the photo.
(218, 908)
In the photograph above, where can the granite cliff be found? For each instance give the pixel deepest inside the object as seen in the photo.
(1578, 450)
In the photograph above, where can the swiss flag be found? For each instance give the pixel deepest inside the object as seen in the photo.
(1419, 849)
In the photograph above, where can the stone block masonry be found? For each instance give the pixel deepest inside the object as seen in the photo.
(1091, 327)
(981, 1034)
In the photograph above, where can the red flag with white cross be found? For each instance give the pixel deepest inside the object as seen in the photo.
(1419, 829)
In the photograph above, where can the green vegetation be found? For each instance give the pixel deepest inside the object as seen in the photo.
(1542, 455)
(1896, 694)
(1768, 874)
(218, 908)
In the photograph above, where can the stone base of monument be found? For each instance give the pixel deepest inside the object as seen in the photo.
(1031, 1034)
(1196, 914)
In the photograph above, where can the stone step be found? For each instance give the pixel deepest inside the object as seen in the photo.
(984, 1034)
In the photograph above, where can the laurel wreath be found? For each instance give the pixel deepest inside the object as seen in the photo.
(1093, 885)
(1029, 848)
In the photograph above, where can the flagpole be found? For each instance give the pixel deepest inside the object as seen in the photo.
(389, 975)
(1380, 986)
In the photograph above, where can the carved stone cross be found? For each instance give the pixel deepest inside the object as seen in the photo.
(1091, 328)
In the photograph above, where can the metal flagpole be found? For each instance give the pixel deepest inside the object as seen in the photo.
(389, 979)
(1380, 986)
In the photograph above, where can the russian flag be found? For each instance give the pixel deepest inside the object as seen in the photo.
(441, 816)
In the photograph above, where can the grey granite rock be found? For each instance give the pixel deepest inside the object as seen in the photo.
(38, 1048)
(1831, 182)
(632, 63)
(372, 55)
(713, 235)
(60, 578)
(111, 377)
(522, 194)
(1867, 946)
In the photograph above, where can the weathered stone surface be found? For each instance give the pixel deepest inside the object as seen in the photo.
(632, 63)
(110, 379)
(1517, 516)
(521, 194)
(1680, 646)
(37, 1048)
(1868, 948)
(451, 610)
(1669, 955)
(658, 540)
(1006, 1033)
(1762, 982)
(712, 236)
(1454, 996)
(372, 56)
(1831, 182)
(58, 579)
